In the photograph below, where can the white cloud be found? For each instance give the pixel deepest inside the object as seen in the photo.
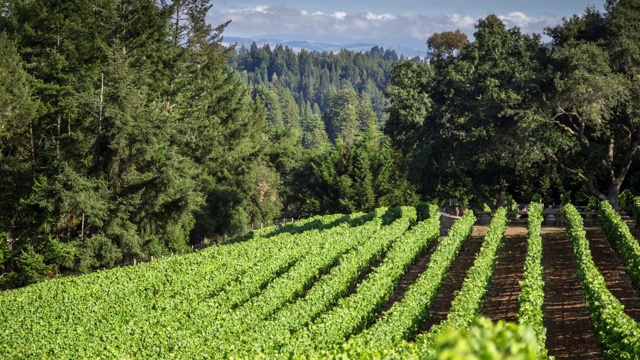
(463, 21)
(340, 15)
(516, 18)
(261, 9)
(366, 25)
(371, 16)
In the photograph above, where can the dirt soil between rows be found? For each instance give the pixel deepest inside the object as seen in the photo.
(612, 269)
(501, 300)
(411, 275)
(453, 280)
(570, 333)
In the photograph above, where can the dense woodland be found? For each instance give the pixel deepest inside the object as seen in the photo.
(128, 130)
(125, 133)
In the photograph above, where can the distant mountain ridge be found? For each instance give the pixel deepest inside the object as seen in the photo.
(320, 46)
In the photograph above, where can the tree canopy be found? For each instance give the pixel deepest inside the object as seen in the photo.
(508, 114)
(124, 133)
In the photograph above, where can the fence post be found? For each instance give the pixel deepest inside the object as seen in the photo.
(152, 258)
(134, 262)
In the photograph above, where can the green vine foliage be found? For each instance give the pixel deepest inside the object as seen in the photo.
(618, 333)
(405, 317)
(532, 296)
(468, 302)
(624, 243)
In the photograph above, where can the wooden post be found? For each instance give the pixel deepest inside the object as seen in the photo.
(82, 235)
(134, 262)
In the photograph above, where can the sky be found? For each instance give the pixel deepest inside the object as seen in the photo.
(404, 22)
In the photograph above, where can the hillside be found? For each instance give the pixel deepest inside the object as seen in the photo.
(377, 285)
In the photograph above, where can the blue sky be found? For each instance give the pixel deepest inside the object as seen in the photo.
(406, 22)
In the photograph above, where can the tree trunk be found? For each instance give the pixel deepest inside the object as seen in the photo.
(502, 199)
(614, 191)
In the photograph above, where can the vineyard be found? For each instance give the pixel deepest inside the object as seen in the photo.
(384, 284)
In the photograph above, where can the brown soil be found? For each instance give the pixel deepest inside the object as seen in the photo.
(570, 333)
(411, 274)
(453, 282)
(501, 300)
(611, 267)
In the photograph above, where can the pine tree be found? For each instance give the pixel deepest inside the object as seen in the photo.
(290, 114)
(269, 99)
(341, 116)
(18, 111)
(314, 135)
(225, 134)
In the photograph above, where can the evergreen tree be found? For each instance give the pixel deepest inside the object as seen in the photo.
(122, 129)
(18, 110)
(314, 135)
(290, 114)
(368, 120)
(269, 99)
(341, 117)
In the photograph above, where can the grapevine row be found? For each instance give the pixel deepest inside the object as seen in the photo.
(355, 312)
(467, 303)
(405, 317)
(532, 284)
(622, 241)
(618, 333)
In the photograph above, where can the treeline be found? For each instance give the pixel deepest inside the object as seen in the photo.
(325, 113)
(307, 91)
(128, 130)
(125, 133)
(507, 115)
(312, 76)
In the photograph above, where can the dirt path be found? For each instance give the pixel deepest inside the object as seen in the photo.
(411, 274)
(454, 279)
(570, 333)
(610, 266)
(501, 300)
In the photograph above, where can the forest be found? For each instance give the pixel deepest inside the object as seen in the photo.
(128, 130)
